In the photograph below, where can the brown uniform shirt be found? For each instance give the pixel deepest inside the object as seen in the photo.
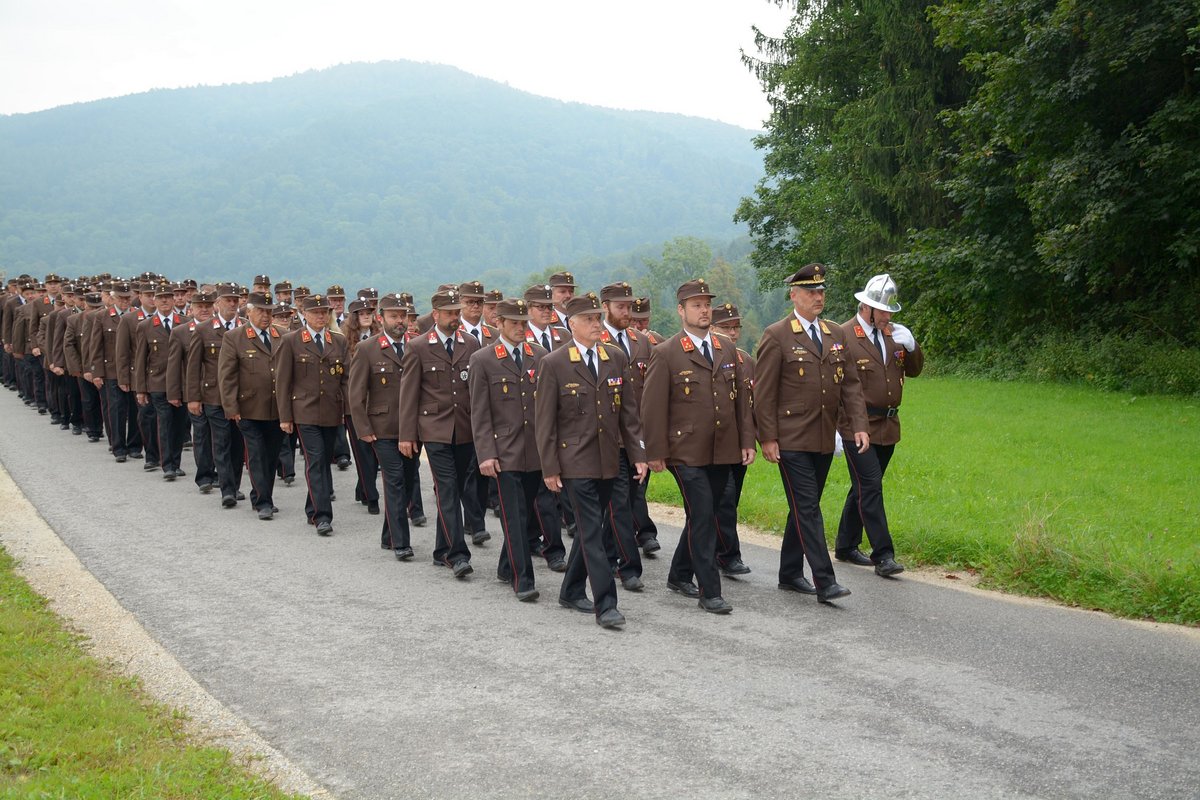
(71, 339)
(246, 374)
(374, 388)
(102, 344)
(201, 381)
(151, 351)
(434, 402)
(799, 394)
(502, 405)
(583, 422)
(177, 347)
(310, 383)
(882, 384)
(55, 323)
(694, 413)
(127, 333)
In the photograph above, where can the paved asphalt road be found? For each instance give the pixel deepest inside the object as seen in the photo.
(385, 679)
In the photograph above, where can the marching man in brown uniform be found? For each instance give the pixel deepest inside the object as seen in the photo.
(728, 321)
(435, 411)
(201, 307)
(150, 356)
(100, 362)
(698, 424)
(502, 382)
(374, 397)
(584, 416)
(802, 384)
(202, 389)
(146, 422)
(246, 376)
(884, 353)
(310, 387)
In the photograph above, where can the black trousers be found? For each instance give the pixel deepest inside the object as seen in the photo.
(317, 442)
(696, 553)
(451, 465)
(643, 526)
(729, 547)
(341, 444)
(803, 476)
(173, 427)
(203, 453)
(6, 369)
(52, 398)
(73, 401)
(620, 541)
(35, 378)
(864, 503)
(286, 460)
(228, 450)
(545, 526)
(366, 465)
(412, 486)
(122, 431)
(89, 404)
(262, 438)
(473, 508)
(146, 429)
(588, 562)
(386, 452)
(517, 494)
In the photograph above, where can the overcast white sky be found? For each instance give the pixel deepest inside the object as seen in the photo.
(661, 55)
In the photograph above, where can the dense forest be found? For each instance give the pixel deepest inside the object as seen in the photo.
(391, 174)
(1027, 169)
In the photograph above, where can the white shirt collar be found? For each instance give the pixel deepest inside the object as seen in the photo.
(699, 341)
(537, 332)
(803, 321)
(583, 351)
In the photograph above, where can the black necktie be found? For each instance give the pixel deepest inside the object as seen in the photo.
(812, 332)
(266, 337)
(167, 323)
(228, 326)
(320, 339)
(878, 344)
(705, 351)
(450, 346)
(621, 341)
(475, 333)
(592, 365)
(545, 340)
(517, 357)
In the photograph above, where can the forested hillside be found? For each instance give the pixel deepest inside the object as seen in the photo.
(378, 173)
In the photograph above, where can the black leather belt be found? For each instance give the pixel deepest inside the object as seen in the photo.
(876, 411)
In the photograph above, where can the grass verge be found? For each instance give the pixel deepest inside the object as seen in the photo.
(71, 727)
(1085, 496)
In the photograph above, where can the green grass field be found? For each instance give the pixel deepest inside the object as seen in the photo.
(1089, 497)
(71, 728)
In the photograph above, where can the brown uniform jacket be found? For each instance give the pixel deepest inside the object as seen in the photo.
(748, 365)
(693, 413)
(71, 339)
(102, 344)
(127, 334)
(310, 384)
(882, 384)
(374, 388)
(434, 403)
(799, 394)
(246, 374)
(583, 422)
(202, 358)
(639, 357)
(177, 348)
(56, 323)
(8, 316)
(151, 350)
(488, 336)
(502, 406)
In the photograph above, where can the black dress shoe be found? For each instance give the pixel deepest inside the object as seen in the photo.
(462, 569)
(325, 528)
(179, 473)
(228, 501)
(571, 530)
(686, 589)
(332, 496)
(372, 508)
(404, 554)
(854, 556)
(137, 455)
(888, 567)
(265, 513)
(633, 583)
(241, 496)
(418, 521)
(799, 584)
(343, 463)
(206, 488)
(715, 605)
(93, 438)
(77, 431)
(735, 567)
(557, 565)
(827, 594)
(581, 604)
(528, 596)
(149, 466)
(274, 509)
(610, 619)
(168, 475)
(120, 459)
(479, 537)
(651, 545)
(288, 480)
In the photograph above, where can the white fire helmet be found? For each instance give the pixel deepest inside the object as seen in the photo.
(880, 293)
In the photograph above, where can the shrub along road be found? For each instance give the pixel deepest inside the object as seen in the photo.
(385, 679)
